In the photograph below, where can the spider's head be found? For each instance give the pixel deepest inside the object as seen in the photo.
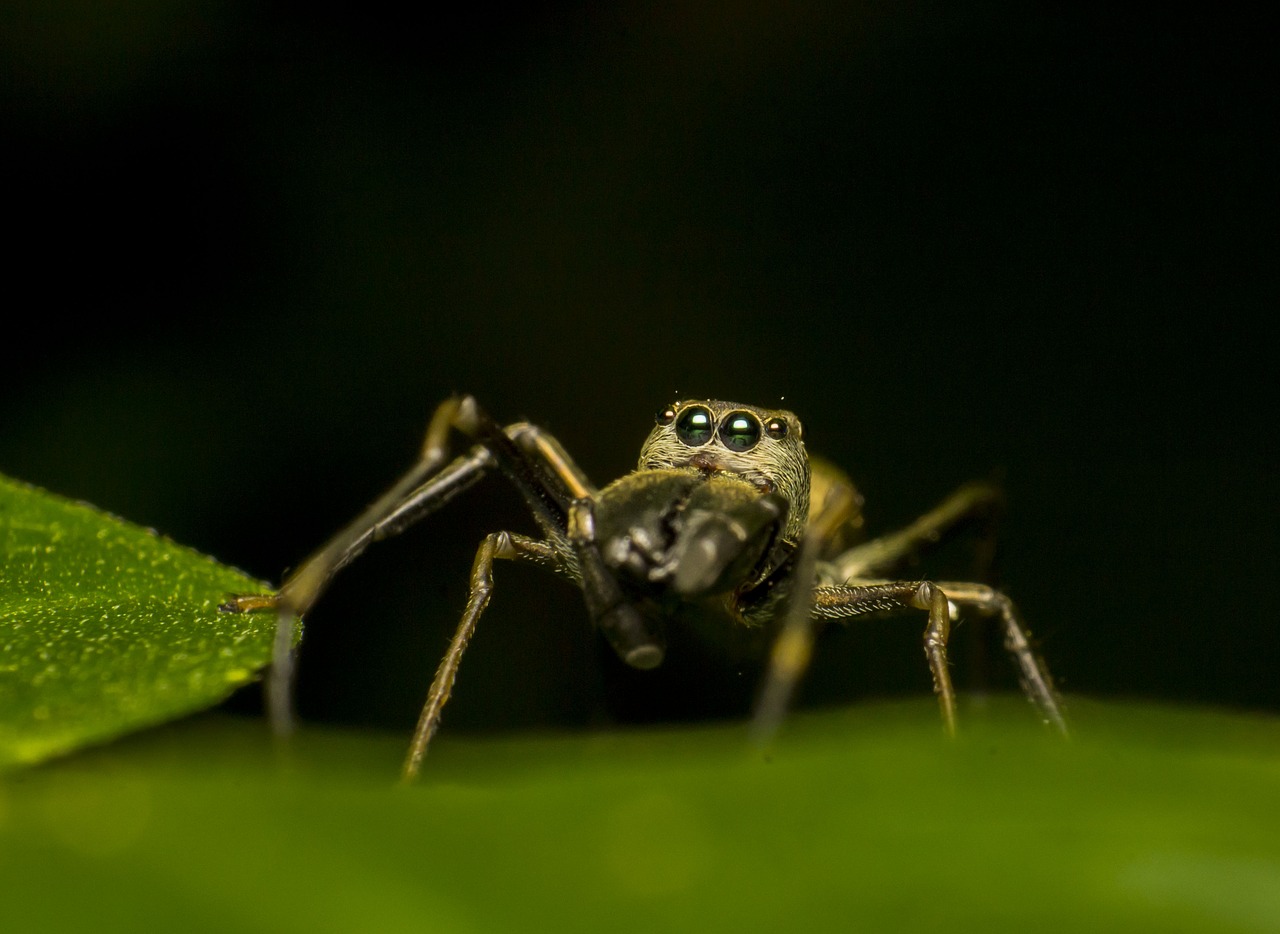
(763, 446)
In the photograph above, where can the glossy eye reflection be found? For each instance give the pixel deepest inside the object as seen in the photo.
(740, 431)
(695, 426)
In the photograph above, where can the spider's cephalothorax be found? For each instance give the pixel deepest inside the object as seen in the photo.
(724, 507)
(762, 446)
(718, 502)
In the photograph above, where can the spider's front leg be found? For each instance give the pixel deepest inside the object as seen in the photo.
(504, 545)
(305, 585)
(425, 487)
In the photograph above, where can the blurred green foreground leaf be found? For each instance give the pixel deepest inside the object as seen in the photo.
(865, 819)
(106, 627)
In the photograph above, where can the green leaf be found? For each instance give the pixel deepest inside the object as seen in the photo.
(106, 627)
(863, 819)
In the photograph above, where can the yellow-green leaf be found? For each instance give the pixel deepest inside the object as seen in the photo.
(106, 627)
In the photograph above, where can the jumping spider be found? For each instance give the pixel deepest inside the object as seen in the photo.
(724, 507)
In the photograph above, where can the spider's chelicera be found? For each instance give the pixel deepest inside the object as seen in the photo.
(725, 507)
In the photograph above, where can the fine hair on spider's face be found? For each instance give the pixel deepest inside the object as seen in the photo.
(763, 446)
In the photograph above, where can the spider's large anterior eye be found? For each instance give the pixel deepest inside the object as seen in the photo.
(740, 431)
(695, 426)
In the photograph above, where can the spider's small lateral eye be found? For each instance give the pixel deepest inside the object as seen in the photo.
(776, 428)
(666, 415)
(695, 426)
(740, 431)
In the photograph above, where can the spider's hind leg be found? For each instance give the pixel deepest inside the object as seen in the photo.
(825, 590)
(979, 503)
(880, 557)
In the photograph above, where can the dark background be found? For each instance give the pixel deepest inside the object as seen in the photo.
(253, 244)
